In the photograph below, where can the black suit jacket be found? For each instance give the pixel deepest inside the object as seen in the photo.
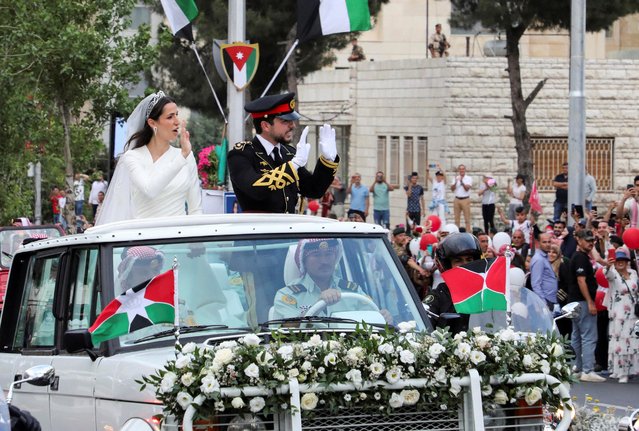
(261, 186)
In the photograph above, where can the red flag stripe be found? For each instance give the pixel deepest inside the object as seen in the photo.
(161, 288)
(108, 311)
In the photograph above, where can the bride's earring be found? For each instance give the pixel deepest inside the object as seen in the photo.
(155, 130)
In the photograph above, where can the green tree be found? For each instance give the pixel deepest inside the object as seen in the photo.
(78, 58)
(271, 24)
(515, 18)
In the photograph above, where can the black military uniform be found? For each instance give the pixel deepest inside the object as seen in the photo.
(263, 185)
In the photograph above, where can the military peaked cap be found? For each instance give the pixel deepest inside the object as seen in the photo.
(279, 105)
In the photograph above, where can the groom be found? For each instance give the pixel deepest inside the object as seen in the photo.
(268, 173)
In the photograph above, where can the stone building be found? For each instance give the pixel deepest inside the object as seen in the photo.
(399, 116)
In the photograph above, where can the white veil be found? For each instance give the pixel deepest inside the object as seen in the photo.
(118, 204)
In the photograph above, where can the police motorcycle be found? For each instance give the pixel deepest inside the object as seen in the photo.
(631, 422)
(11, 417)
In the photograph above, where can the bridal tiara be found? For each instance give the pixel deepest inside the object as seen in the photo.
(154, 100)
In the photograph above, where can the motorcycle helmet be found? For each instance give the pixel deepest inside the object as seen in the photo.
(457, 244)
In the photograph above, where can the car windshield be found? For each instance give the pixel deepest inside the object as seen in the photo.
(266, 283)
(11, 239)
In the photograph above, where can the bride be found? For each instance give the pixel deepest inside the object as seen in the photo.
(152, 178)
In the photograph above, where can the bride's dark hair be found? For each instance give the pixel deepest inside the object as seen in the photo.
(143, 137)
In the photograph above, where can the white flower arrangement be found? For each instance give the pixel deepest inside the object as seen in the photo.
(360, 357)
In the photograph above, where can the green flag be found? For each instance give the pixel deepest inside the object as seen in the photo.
(221, 151)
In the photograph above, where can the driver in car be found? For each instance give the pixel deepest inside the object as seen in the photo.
(316, 259)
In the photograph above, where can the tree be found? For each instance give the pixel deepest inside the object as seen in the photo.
(516, 17)
(79, 58)
(271, 24)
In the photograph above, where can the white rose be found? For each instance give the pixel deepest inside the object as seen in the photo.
(286, 351)
(532, 395)
(363, 396)
(228, 344)
(385, 349)
(501, 397)
(184, 399)
(279, 376)
(544, 366)
(463, 350)
(330, 359)
(482, 341)
(376, 368)
(406, 326)
(187, 379)
(209, 384)
(306, 366)
(347, 397)
(309, 401)
(443, 407)
(486, 390)
(476, 329)
(251, 340)
(476, 357)
(257, 404)
(315, 341)
(435, 350)
(527, 361)
(334, 345)
(223, 356)
(556, 349)
(354, 354)
(168, 381)
(252, 371)
(407, 357)
(320, 370)
(396, 400)
(264, 358)
(188, 348)
(183, 361)
(237, 403)
(354, 376)
(507, 334)
(377, 396)
(393, 375)
(293, 372)
(440, 375)
(411, 396)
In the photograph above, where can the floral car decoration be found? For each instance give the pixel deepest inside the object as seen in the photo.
(361, 357)
(207, 166)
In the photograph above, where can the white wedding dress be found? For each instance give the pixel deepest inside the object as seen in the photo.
(142, 188)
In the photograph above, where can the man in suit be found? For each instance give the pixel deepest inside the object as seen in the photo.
(267, 172)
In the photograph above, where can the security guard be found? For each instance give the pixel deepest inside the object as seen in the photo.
(268, 173)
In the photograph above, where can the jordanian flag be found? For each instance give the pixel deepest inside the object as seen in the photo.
(478, 286)
(180, 14)
(240, 62)
(144, 305)
(321, 17)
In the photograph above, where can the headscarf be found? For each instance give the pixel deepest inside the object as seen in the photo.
(305, 246)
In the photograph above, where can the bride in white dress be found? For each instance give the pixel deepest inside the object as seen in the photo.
(152, 178)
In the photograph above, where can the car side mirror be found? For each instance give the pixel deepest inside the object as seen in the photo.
(39, 375)
(78, 340)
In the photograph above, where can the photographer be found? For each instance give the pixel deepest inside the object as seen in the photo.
(628, 205)
(438, 44)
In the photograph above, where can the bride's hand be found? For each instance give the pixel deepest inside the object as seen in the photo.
(185, 141)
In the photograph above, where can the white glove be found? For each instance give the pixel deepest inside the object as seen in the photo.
(301, 155)
(327, 144)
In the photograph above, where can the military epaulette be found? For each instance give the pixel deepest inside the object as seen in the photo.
(348, 285)
(296, 288)
(240, 145)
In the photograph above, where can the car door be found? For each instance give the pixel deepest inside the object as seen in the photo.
(72, 399)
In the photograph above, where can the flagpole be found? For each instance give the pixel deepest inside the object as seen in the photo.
(219, 106)
(176, 303)
(509, 254)
(277, 72)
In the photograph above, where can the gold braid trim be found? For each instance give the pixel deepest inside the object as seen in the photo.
(278, 178)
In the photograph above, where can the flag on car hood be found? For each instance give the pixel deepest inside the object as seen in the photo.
(321, 17)
(478, 286)
(144, 305)
(180, 14)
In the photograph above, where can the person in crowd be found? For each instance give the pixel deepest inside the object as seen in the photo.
(516, 193)
(339, 197)
(360, 196)
(583, 290)
(560, 183)
(446, 230)
(326, 203)
(621, 300)
(629, 203)
(414, 200)
(438, 204)
(357, 52)
(97, 186)
(400, 240)
(484, 243)
(542, 276)
(54, 197)
(520, 222)
(438, 45)
(267, 172)
(454, 251)
(488, 198)
(561, 268)
(460, 186)
(590, 190)
(521, 249)
(356, 216)
(152, 178)
(566, 236)
(78, 197)
(381, 203)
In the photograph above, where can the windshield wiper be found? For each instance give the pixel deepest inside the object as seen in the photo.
(319, 319)
(183, 330)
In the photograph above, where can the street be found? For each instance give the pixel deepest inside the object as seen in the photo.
(623, 398)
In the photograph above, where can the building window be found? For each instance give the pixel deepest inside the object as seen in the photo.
(422, 159)
(381, 153)
(550, 153)
(409, 162)
(394, 160)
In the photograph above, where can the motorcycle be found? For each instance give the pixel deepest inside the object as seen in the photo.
(11, 417)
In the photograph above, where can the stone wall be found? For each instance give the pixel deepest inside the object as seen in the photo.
(460, 104)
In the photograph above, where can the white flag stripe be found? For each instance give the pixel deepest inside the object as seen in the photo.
(334, 16)
(175, 15)
(239, 76)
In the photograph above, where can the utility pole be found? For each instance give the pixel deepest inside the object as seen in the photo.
(237, 33)
(577, 107)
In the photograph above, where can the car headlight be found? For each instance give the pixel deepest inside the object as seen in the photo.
(246, 422)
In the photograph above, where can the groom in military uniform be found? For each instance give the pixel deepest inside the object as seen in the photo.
(268, 173)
